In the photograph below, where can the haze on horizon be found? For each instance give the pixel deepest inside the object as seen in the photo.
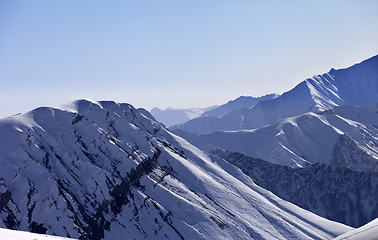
(173, 53)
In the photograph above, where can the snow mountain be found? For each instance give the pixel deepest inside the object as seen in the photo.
(336, 193)
(237, 104)
(103, 170)
(344, 136)
(172, 116)
(356, 85)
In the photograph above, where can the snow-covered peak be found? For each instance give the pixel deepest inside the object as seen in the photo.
(236, 104)
(356, 85)
(345, 136)
(104, 170)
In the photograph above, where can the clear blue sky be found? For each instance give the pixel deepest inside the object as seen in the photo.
(173, 53)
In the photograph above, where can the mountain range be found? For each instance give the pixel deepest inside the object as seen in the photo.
(302, 165)
(173, 116)
(237, 104)
(103, 170)
(356, 85)
(343, 136)
(315, 145)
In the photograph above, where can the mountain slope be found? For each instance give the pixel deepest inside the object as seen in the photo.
(171, 116)
(94, 170)
(336, 193)
(236, 104)
(6, 234)
(344, 136)
(366, 232)
(356, 85)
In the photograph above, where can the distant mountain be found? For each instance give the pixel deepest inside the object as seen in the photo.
(103, 170)
(172, 116)
(356, 85)
(237, 104)
(344, 136)
(336, 193)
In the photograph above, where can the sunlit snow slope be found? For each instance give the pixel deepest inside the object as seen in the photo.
(344, 136)
(94, 170)
(366, 232)
(6, 234)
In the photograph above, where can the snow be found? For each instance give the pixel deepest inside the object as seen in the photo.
(236, 104)
(171, 116)
(104, 170)
(306, 139)
(336, 193)
(356, 85)
(6, 234)
(366, 232)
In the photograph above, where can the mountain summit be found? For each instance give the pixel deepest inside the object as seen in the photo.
(103, 170)
(237, 104)
(356, 85)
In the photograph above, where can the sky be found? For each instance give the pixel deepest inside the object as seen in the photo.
(169, 53)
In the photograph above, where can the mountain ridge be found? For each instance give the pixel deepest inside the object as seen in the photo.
(173, 116)
(355, 85)
(236, 104)
(344, 136)
(103, 170)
